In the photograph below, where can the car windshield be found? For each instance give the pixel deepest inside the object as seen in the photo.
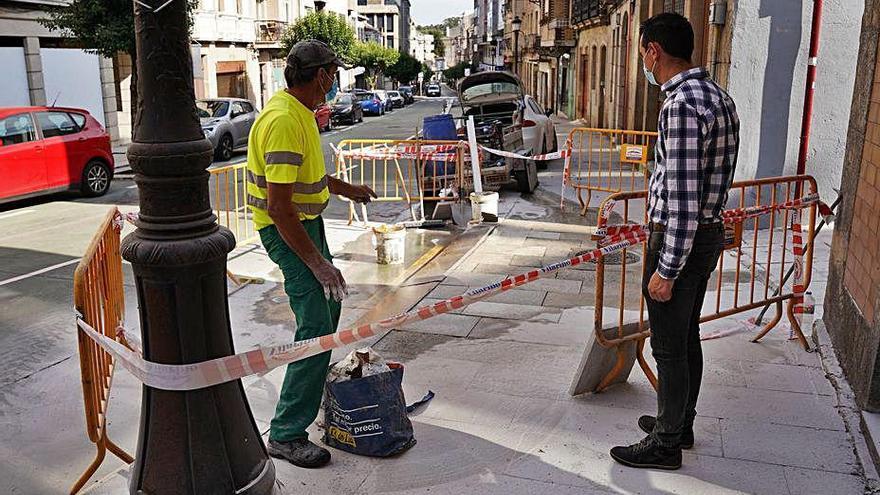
(433, 86)
(212, 108)
(366, 96)
(496, 88)
(343, 100)
(404, 89)
(393, 93)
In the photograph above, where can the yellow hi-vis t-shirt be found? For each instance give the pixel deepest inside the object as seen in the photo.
(284, 147)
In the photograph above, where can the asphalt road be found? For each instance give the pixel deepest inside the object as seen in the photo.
(42, 435)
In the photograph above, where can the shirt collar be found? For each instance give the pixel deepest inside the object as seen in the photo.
(695, 73)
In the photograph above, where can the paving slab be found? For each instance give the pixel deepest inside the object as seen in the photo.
(530, 331)
(788, 445)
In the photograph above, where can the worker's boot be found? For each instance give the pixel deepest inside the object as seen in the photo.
(300, 452)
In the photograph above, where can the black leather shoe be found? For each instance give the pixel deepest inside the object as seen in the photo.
(300, 452)
(648, 454)
(646, 423)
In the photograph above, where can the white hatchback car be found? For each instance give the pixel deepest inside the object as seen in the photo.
(539, 132)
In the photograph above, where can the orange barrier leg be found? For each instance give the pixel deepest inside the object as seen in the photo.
(796, 326)
(615, 371)
(99, 458)
(776, 319)
(643, 363)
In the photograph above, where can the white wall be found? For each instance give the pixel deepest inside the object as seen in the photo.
(768, 69)
(73, 79)
(15, 85)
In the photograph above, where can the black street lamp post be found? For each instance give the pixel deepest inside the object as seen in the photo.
(200, 441)
(516, 24)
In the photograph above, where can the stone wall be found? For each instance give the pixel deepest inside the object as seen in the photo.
(852, 302)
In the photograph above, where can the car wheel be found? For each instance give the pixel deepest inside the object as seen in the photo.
(527, 178)
(224, 148)
(543, 164)
(95, 179)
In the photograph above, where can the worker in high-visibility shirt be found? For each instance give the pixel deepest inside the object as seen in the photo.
(287, 189)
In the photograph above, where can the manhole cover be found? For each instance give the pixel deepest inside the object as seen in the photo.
(616, 258)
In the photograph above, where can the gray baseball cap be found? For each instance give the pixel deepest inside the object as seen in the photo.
(312, 53)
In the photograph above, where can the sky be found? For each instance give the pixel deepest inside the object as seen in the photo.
(434, 11)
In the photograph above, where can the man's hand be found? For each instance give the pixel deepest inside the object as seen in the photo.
(331, 279)
(659, 288)
(358, 194)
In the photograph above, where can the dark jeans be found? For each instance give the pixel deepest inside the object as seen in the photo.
(675, 332)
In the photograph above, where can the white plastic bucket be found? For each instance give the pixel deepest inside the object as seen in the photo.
(484, 207)
(390, 243)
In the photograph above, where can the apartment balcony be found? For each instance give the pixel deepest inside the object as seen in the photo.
(269, 33)
(585, 13)
(532, 42)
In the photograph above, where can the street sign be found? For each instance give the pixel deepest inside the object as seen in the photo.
(467, 71)
(421, 76)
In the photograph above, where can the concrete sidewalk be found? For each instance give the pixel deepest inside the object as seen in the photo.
(773, 418)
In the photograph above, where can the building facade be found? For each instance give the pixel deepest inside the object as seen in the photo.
(391, 18)
(39, 65)
(422, 46)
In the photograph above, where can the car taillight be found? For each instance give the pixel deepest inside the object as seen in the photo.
(529, 123)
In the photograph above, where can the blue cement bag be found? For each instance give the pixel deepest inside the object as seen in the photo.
(368, 415)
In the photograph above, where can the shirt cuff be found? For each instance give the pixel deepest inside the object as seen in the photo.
(666, 272)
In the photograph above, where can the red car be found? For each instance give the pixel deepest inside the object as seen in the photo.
(50, 149)
(322, 117)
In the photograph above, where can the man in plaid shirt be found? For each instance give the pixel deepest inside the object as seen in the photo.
(695, 159)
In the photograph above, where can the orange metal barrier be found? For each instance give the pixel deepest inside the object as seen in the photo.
(607, 160)
(98, 297)
(408, 176)
(761, 250)
(228, 190)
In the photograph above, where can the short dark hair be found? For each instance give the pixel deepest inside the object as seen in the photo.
(671, 31)
(295, 76)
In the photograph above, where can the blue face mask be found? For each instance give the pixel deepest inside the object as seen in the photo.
(649, 75)
(333, 90)
(331, 93)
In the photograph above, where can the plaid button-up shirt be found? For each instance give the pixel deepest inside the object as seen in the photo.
(695, 159)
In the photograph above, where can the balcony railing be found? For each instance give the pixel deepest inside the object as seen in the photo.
(270, 31)
(587, 10)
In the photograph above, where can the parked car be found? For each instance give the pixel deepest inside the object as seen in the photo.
(407, 93)
(396, 98)
(495, 100)
(347, 108)
(226, 122)
(386, 100)
(433, 90)
(50, 149)
(322, 117)
(539, 132)
(371, 103)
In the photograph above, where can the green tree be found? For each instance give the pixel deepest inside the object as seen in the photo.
(428, 72)
(456, 71)
(105, 27)
(405, 69)
(374, 58)
(323, 26)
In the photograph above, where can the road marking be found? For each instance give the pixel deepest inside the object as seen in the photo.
(15, 214)
(38, 272)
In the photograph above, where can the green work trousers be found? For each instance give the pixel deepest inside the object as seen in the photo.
(315, 315)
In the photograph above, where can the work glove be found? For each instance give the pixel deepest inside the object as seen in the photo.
(331, 279)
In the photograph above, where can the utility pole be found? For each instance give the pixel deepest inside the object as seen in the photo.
(200, 441)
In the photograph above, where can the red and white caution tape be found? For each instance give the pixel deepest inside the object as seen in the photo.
(261, 360)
